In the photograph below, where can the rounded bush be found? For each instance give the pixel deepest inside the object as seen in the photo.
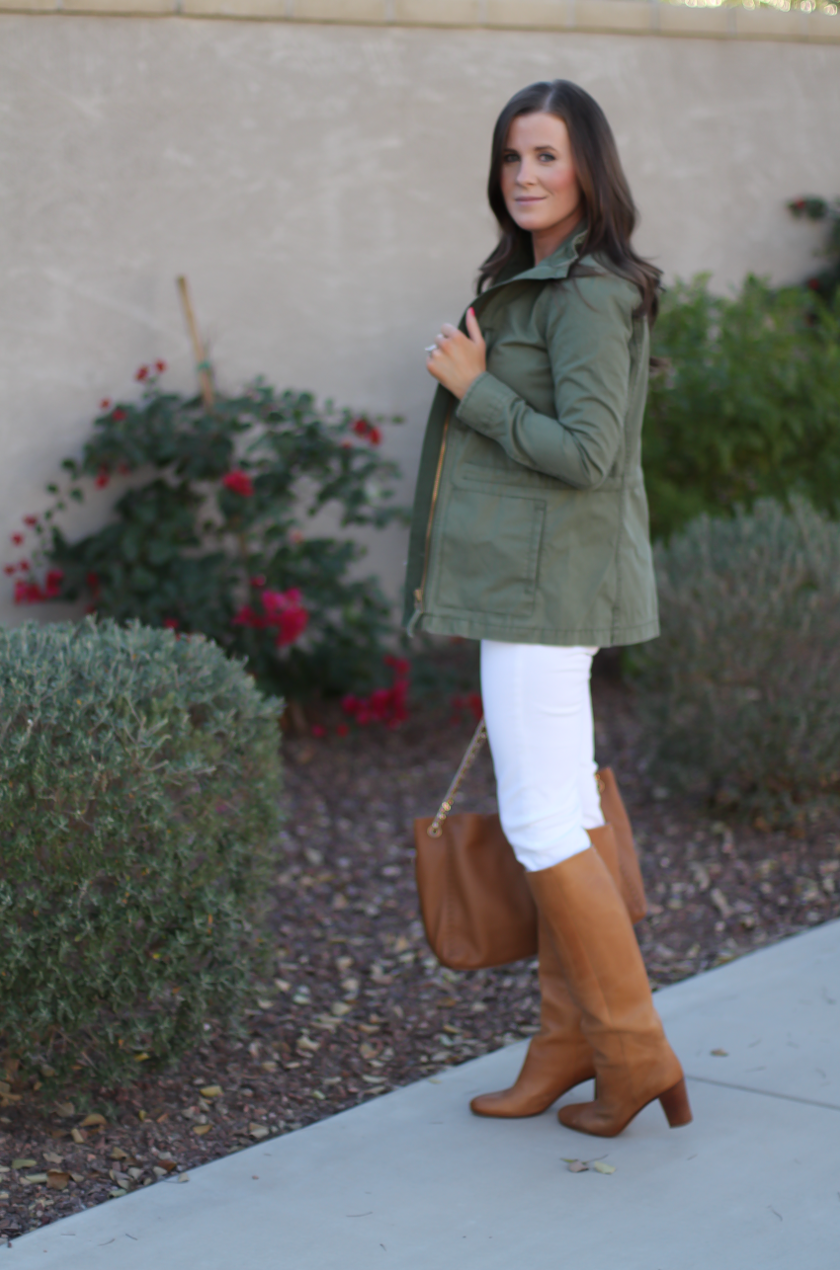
(741, 693)
(139, 808)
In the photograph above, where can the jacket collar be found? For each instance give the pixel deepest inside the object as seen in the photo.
(557, 265)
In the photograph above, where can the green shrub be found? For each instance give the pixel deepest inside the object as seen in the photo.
(215, 538)
(139, 788)
(748, 405)
(741, 694)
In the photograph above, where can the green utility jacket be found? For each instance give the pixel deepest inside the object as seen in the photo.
(530, 516)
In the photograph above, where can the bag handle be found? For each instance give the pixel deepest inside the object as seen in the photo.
(435, 829)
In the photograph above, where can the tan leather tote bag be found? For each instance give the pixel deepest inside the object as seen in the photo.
(477, 907)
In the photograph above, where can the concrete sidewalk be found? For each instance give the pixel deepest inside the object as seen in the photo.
(412, 1180)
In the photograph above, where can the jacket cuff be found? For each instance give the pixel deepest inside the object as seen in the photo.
(484, 404)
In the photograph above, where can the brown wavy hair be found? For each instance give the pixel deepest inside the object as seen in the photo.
(609, 209)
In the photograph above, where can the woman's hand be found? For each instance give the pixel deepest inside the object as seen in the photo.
(456, 359)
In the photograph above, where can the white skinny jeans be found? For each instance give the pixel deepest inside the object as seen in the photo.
(538, 712)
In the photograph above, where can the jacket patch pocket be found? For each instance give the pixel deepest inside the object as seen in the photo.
(489, 553)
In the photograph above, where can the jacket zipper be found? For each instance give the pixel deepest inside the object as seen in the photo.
(419, 591)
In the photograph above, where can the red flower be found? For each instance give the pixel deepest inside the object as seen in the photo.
(92, 582)
(30, 520)
(23, 565)
(318, 730)
(102, 478)
(105, 403)
(814, 284)
(360, 426)
(118, 415)
(374, 436)
(171, 623)
(52, 584)
(258, 580)
(247, 617)
(401, 666)
(17, 539)
(292, 624)
(9, 569)
(28, 592)
(239, 482)
(160, 366)
(143, 373)
(341, 729)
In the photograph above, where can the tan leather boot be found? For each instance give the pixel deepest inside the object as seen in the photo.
(558, 1058)
(606, 977)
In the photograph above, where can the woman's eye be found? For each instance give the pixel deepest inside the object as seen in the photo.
(511, 157)
(547, 157)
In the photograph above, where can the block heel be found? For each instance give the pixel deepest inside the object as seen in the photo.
(676, 1106)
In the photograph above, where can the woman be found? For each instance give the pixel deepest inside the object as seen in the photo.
(530, 534)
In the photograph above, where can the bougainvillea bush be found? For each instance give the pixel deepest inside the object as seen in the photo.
(215, 540)
(741, 693)
(139, 808)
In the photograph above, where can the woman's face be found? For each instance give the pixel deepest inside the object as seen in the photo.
(539, 182)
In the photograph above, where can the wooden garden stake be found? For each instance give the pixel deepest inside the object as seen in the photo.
(202, 365)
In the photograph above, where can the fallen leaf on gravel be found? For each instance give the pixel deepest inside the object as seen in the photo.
(258, 1131)
(77, 1136)
(269, 1065)
(169, 1165)
(34, 1178)
(77, 1177)
(310, 1046)
(53, 1157)
(264, 1003)
(283, 985)
(720, 902)
(57, 1180)
(202, 1128)
(211, 1091)
(22, 1163)
(720, 1053)
(368, 1051)
(92, 1119)
(65, 1109)
(340, 1008)
(117, 1153)
(117, 1194)
(577, 1166)
(600, 1167)
(158, 1171)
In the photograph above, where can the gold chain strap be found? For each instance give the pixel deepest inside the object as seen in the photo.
(435, 829)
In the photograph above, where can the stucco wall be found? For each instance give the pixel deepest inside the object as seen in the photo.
(322, 187)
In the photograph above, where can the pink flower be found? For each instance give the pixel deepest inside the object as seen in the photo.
(318, 730)
(258, 580)
(239, 482)
(143, 373)
(17, 539)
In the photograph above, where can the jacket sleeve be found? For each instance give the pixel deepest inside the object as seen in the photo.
(589, 331)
